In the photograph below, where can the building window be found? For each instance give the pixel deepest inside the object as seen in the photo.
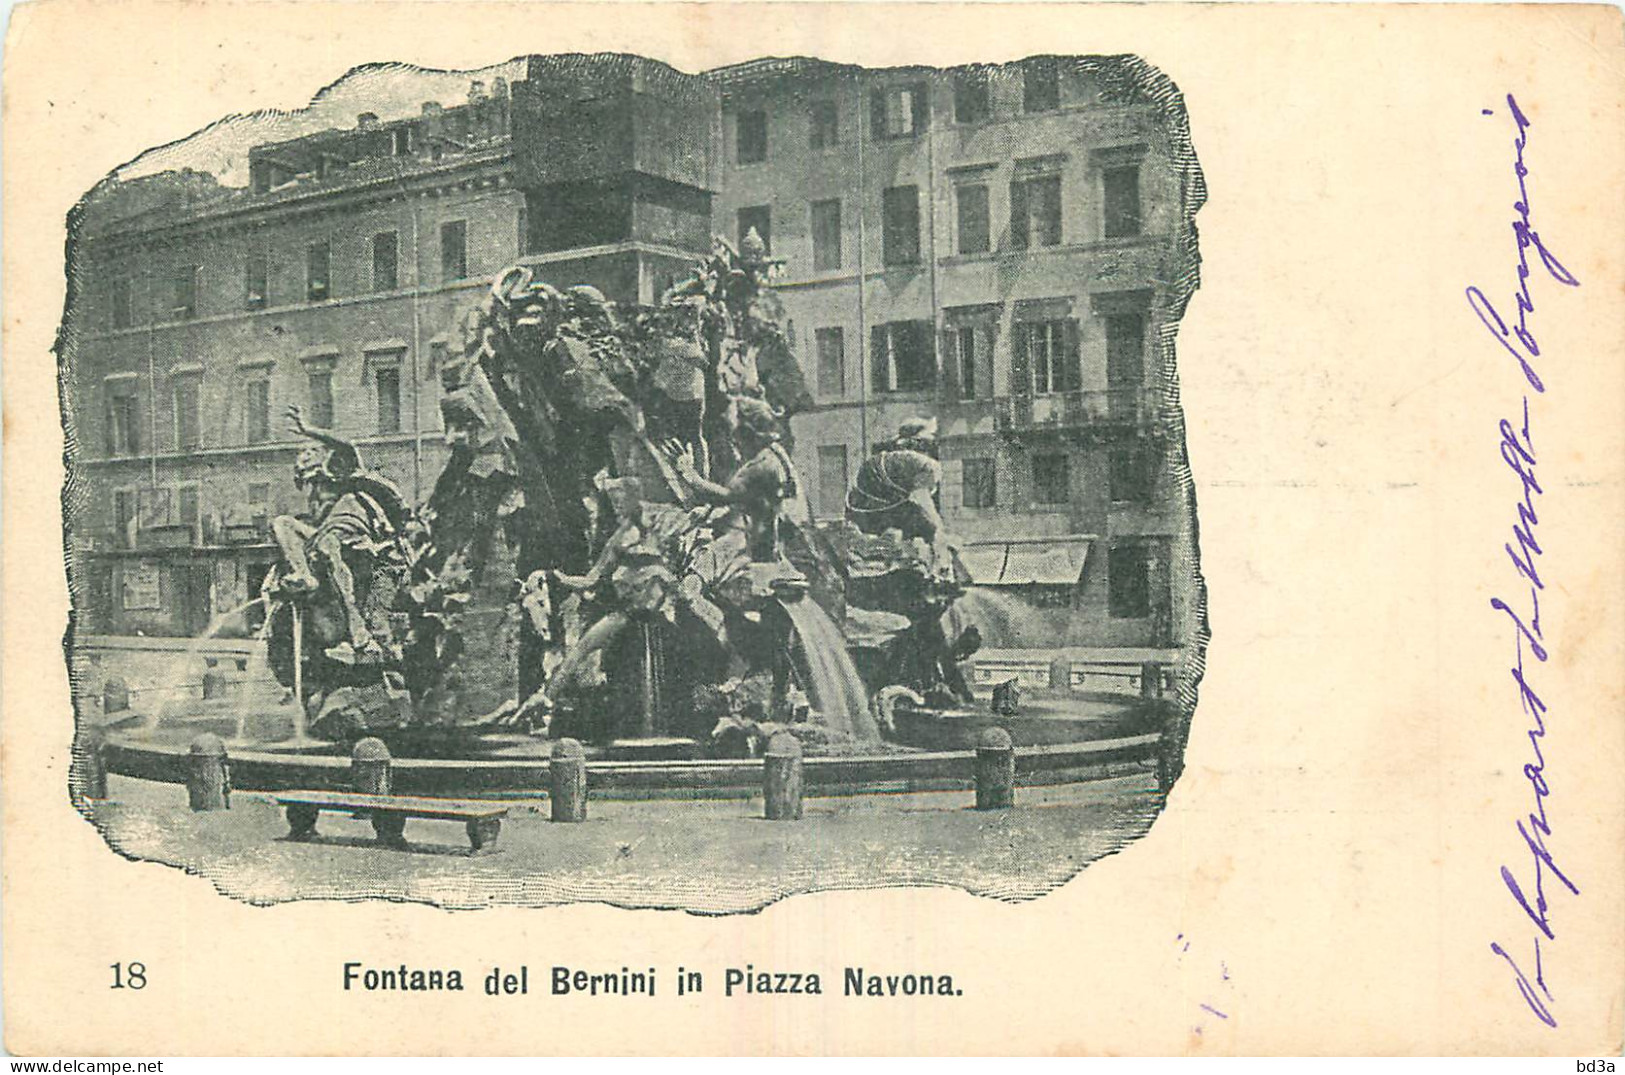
(453, 250)
(188, 412)
(257, 410)
(1050, 349)
(318, 272)
(963, 341)
(1035, 211)
(970, 97)
(259, 502)
(402, 141)
(822, 129)
(832, 480)
(387, 379)
(123, 417)
(900, 235)
(826, 235)
(385, 261)
(1122, 200)
(1125, 350)
(902, 358)
(981, 485)
(1041, 85)
(319, 397)
(898, 111)
(831, 345)
(1128, 579)
(185, 307)
(750, 136)
(757, 218)
(121, 303)
(1052, 479)
(124, 518)
(186, 509)
(1130, 476)
(970, 203)
(256, 277)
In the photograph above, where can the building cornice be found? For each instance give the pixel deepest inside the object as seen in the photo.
(234, 212)
(284, 310)
(268, 448)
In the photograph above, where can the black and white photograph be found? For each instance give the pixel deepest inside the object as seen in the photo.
(583, 440)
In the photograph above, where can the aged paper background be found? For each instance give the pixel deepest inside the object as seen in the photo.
(1354, 767)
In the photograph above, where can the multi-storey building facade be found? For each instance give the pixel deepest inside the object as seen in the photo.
(337, 281)
(990, 246)
(993, 247)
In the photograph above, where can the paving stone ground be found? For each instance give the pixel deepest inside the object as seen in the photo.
(707, 856)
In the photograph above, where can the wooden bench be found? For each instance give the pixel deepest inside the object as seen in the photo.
(388, 814)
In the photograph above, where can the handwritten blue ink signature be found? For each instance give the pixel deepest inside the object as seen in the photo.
(1518, 453)
(1224, 977)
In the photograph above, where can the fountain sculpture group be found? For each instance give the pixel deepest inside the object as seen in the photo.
(619, 547)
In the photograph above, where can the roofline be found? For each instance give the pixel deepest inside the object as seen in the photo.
(242, 203)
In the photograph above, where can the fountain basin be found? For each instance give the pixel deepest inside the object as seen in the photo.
(519, 777)
(1039, 722)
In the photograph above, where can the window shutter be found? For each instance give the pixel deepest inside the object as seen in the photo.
(879, 360)
(926, 339)
(922, 106)
(1071, 371)
(877, 115)
(110, 402)
(1051, 193)
(1021, 378)
(971, 372)
(950, 363)
(1018, 215)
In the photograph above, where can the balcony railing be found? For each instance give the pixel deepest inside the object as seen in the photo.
(1121, 408)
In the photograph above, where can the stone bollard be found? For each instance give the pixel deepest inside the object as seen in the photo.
(89, 767)
(214, 684)
(115, 696)
(995, 770)
(567, 781)
(1150, 680)
(208, 781)
(369, 767)
(1007, 697)
(1060, 674)
(781, 778)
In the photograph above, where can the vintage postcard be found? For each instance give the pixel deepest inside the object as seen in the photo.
(803, 528)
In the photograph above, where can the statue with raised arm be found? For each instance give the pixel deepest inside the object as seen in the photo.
(763, 491)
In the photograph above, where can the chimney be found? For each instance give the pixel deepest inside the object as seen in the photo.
(476, 92)
(499, 88)
(432, 108)
(366, 121)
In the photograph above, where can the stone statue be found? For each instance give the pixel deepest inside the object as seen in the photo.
(764, 489)
(896, 489)
(341, 555)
